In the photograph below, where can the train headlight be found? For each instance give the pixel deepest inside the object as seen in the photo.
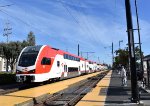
(32, 71)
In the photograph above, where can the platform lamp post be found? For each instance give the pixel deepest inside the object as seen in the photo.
(134, 86)
(112, 52)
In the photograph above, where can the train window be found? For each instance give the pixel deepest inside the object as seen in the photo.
(58, 63)
(69, 57)
(46, 61)
(27, 59)
(64, 56)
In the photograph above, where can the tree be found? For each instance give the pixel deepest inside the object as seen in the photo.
(138, 57)
(31, 39)
(10, 51)
(24, 44)
(122, 57)
(6, 53)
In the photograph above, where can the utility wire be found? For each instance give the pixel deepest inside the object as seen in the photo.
(16, 18)
(84, 25)
(68, 11)
(3, 11)
(88, 25)
(7, 5)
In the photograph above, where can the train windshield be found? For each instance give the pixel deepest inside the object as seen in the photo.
(27, 59)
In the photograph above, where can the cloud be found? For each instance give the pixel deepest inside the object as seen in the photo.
(63, 24)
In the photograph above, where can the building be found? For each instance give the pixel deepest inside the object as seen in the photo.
(3, 64)
(146, 65)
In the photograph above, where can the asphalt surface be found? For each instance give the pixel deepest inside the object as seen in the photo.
(118, 95)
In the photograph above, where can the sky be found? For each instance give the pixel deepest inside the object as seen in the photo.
(63, 24)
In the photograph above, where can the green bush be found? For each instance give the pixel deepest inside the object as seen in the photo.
(7, 78)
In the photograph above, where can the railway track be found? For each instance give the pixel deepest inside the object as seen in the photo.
(71, 95)
(5, 89)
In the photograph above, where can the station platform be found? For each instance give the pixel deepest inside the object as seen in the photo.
(109, 92)
(29, 96)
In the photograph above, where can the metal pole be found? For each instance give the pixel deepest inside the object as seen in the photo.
(139, 39)
(119, 44)
(147, 62)
(98, 60)
(87, 55)
(78, 50)
(134, 86)
(112, 54)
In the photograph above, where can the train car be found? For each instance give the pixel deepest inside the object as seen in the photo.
(95, 67)
(91, 66)
(82, 66)
(42, 63)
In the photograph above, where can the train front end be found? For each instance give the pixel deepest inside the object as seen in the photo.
(26, 65)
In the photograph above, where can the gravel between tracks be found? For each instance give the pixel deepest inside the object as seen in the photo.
(71, 95)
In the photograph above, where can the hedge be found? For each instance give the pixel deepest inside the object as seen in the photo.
(7, 78)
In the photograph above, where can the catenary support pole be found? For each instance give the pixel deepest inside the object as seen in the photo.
(78, 50)
(112, 54)
(134, 86)
(139, 36)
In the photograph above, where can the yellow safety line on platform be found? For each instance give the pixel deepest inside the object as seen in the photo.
(18, 97)
(98, 95)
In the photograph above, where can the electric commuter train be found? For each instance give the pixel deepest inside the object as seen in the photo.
(42, 63)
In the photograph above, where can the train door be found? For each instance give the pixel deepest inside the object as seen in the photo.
(58, 67)
(79, 70)
(65, 71)
(85, 67)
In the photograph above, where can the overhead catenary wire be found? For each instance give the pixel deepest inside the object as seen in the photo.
(87, 24)
(7, 5)
(22, 21)
(4, 11)
(68, 11)
(70, 14)
(83, 25)
(16, 18)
